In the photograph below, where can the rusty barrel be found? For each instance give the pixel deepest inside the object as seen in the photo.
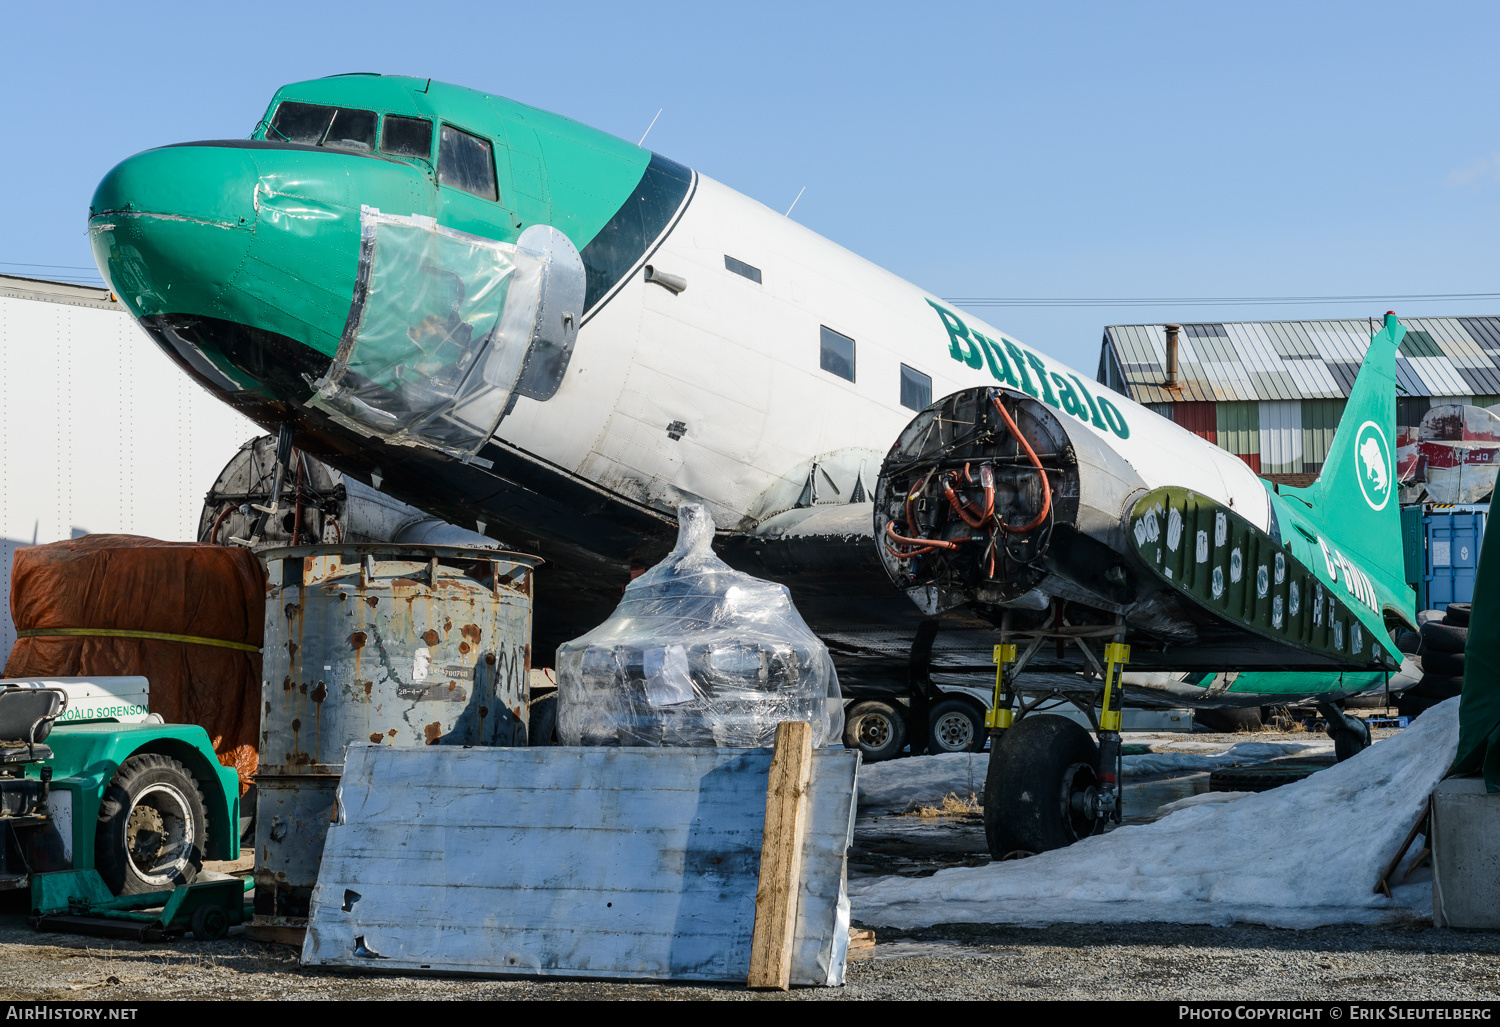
(376, 645)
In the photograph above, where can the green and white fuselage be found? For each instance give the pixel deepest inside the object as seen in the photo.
(720, 353)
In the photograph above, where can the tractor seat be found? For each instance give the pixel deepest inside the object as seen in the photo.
(26, 716)
(20, 752)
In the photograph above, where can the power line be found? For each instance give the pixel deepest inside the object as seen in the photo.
(1209, 301)
(63, 267)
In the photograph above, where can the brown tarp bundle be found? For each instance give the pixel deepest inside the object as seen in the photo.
(135, 583)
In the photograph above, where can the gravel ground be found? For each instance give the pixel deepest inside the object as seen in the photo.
(1402, 959)
(1395, 961)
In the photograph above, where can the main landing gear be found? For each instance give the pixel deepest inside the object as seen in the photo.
(1049, 785)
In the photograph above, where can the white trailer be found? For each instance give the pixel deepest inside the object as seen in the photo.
(101, 431)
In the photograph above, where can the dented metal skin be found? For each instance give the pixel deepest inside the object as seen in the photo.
(378, 644)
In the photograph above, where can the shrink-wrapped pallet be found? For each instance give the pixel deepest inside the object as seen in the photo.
(697, 654)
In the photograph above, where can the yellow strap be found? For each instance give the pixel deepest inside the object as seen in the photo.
(160, 636)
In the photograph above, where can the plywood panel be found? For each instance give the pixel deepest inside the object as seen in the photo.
(591, 862)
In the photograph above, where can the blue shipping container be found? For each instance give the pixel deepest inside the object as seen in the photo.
(1453, 537)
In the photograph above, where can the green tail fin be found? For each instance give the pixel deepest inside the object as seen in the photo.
(1355, 496)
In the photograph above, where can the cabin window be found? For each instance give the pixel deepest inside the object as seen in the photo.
(406, 137)
(314, 124)
(739, 267)
(837, 355)
(466, 162)
(916, 388)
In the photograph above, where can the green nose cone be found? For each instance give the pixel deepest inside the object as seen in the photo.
(170, 226)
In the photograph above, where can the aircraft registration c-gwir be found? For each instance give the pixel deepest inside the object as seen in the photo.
(512, 320)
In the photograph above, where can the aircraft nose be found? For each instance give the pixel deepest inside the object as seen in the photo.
(177, 218)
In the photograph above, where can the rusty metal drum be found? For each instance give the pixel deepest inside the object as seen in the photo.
(384, 645)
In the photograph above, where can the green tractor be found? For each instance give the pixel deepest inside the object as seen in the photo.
(102, 819)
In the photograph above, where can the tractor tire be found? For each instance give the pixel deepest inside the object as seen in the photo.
(153, 827)
(1443, 638)
(1458, 614)
(1042, 774)
(876, 728)
(1443, 664)
(541, 727)
(956, 725)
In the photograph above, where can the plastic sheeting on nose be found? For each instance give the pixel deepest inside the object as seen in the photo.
(697, 654)
(444, 328)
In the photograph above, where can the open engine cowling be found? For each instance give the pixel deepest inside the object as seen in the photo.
(989, 498)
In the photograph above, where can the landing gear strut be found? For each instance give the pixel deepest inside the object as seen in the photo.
(1351, 735)
(1049, 785)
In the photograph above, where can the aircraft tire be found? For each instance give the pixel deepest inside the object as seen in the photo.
(1458, 614)
(877, 729)
(1443, 638)
(542, 720)
(1039, 775)
(956, 725)
(1443, 664)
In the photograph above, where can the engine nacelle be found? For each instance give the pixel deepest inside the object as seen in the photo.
(989, 498)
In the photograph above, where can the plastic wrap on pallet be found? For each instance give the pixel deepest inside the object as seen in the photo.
(446, 329)
(697, 654)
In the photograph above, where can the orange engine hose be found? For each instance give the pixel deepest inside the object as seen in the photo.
(213, 533)
(961, 507)
(1031, 453)
(925, 543)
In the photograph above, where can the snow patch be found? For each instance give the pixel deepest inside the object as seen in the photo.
(1198, 800)
(1302, 855)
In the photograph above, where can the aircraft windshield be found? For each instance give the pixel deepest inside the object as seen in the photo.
(339, 128)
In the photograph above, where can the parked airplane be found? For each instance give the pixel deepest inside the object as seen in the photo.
(523, 324)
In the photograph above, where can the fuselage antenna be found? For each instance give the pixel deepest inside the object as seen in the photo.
(650, 127)
(794, 202)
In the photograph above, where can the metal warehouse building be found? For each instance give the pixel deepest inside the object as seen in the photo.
(1272, 392)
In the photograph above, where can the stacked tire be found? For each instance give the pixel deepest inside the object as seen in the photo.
(1441, 653)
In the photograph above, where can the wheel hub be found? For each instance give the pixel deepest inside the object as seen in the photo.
(874, 731)
(954, 732)
(144, 834)
(159, 833)
(1080, 799)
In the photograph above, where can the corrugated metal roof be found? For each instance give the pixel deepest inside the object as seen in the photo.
(1247, 361)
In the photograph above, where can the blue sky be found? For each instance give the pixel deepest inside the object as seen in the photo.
(1059, 149)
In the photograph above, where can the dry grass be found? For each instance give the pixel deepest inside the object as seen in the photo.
(951, 806)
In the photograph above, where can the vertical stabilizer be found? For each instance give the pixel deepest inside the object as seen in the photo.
(1354, 498)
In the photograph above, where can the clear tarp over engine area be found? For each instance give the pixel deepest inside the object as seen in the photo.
(697, 654)
(446, 329)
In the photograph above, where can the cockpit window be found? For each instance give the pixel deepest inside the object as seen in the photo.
(466, 162)
(301, 122)
(313, 124)
(351, 130)
(406, 137)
